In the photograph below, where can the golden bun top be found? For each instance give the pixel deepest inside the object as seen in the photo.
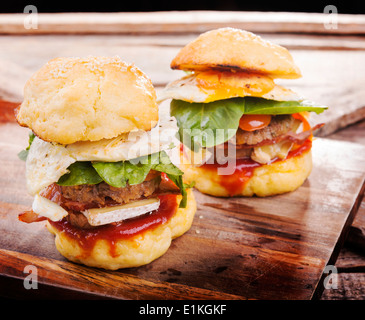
(235, 49)
(87, 99)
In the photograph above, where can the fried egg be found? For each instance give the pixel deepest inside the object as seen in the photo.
(213, 85)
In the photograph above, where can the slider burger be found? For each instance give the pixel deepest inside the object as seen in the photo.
(97, 163)
(242, 134)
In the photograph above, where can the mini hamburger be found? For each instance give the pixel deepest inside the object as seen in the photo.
(242, 134)
(97, 163)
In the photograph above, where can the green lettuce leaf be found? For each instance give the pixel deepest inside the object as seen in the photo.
(174, 174)
(213, 123)
(80, 173)
(264, 106)
(207, 124)
(165, 165)
(111, 173)
(178, 180)
(118, 174)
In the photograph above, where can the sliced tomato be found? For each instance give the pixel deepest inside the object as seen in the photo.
(252, 122)
(166, 183)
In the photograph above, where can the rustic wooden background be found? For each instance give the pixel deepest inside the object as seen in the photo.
(332, 62)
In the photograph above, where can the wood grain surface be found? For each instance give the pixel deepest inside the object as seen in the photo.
(350, 263)
(237, 248)
(182, 22)
(274, 248)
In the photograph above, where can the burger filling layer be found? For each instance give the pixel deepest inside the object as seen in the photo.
(255, 128)
(89, 193)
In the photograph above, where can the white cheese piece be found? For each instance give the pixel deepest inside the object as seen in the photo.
(196, 158)
(101, 216)
(48, 209)
(265, 154)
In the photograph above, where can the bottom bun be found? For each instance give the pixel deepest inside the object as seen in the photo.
(134, 251)
(266, 180)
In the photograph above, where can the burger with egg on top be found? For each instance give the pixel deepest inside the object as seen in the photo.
(97, 163)
(241, 133)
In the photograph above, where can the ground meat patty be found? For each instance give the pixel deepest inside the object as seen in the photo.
(102, 194)
(278, 126)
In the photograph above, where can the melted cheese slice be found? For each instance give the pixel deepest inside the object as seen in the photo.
(265, 154)
(47, 162)
(212, 86)
(101, 216)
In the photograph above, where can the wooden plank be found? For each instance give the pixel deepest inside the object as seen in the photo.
(105, 284)
(356, 238)
(351, 260)
(351, 286)
(20, 63)
(12, 80)
(182, 22)
(267, 248)
(354, 133)
(331, 78)
(13, 288)
(316, 41)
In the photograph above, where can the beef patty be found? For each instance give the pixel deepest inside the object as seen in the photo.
(102, 194)
(279, 125)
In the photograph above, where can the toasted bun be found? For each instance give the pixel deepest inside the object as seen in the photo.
(267, 180)
(229, 48)
(131, 252)
(87, 99)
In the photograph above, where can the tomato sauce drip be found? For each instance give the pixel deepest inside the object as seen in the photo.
(244, 169)
(113, 232)
(252, 122)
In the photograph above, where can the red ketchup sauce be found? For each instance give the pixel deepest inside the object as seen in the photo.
(244, 169)
(113, 232)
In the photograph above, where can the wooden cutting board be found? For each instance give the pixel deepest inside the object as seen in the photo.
(272, 248)
(238, 248)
